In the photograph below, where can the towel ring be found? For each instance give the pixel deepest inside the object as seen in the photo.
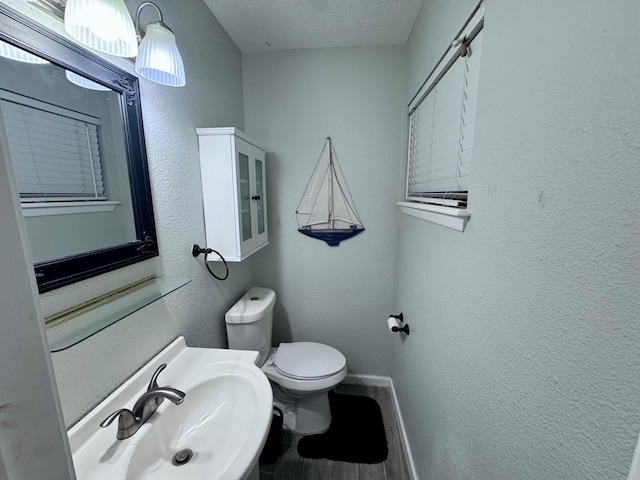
(197, 250)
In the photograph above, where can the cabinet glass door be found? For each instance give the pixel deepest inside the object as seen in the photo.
(244, 196)
(260, 197)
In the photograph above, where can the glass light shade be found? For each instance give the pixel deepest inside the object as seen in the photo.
(158, 58)
(104, 25)
(15, 53)
(84, 82)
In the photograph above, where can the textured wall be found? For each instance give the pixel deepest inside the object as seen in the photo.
(523, 359)
(212, 97)
(294, 100)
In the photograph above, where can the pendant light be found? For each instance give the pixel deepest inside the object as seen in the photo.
(158, 57)
(103, 25)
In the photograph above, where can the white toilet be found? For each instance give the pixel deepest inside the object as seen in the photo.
(301, 373)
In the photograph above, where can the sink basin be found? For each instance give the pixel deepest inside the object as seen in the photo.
(219, 429)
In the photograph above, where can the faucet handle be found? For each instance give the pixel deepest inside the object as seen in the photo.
(126, 422)
(153, 384)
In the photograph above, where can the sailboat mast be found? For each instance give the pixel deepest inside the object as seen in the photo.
(331, 221)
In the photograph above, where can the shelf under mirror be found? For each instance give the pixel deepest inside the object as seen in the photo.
(71, 327)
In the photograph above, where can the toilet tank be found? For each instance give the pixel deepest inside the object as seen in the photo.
(249, 322)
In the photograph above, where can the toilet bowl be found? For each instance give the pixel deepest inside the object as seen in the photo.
(304, 372)
(301, 373)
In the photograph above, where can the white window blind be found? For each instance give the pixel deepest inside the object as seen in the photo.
(441, 124)
(56, 156)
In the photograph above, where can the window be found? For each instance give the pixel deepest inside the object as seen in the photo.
(55, 151)
(441, 125)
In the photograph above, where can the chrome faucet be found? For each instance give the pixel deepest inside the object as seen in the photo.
(130, 421)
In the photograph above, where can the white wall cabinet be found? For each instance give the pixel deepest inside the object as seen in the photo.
(233, 191)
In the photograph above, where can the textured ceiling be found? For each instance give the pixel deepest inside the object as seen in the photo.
(262, 25)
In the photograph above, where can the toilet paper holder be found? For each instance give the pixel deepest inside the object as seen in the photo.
(404, 328)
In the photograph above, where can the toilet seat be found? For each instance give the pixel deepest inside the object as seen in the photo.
(308, 360)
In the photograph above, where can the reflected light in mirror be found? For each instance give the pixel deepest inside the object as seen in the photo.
(15, 53)
(85, 82)
(104, 25)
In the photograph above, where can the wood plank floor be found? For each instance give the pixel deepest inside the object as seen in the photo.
(291, 466)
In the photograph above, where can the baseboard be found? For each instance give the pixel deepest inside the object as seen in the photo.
(403, 433)
(382, 381)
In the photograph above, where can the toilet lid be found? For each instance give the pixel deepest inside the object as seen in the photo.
(308, 360)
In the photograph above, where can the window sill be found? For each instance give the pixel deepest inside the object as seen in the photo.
(45, 209)
(454, 218)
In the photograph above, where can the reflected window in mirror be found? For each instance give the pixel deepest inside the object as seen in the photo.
(67, 148)
(71, 123)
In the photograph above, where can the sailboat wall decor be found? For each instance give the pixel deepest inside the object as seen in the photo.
(327, 211)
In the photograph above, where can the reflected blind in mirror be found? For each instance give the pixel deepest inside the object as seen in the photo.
(55, 152)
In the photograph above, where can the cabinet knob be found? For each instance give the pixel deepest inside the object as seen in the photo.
(255, 197)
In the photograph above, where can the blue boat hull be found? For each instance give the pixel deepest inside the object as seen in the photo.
(332, 237)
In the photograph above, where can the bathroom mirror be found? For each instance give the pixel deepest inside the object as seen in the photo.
(72, 123)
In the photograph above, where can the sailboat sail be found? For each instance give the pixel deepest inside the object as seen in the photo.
(326, 210)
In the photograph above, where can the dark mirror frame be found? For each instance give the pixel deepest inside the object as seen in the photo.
(21, 31)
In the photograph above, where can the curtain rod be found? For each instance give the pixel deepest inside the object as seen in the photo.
(475, 10)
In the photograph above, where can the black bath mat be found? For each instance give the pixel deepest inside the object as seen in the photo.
(356, 433)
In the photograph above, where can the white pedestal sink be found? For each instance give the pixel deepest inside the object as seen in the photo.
(224, 420)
